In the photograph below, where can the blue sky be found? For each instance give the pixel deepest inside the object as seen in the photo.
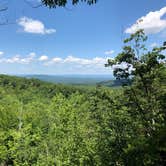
(73, 40)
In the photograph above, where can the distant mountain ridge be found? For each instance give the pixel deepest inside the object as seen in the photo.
(72, 79)
(92, 80)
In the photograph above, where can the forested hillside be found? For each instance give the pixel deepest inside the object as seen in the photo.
(72, 79)
(49, 124)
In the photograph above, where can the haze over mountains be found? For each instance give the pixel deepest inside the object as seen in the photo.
(72, 79)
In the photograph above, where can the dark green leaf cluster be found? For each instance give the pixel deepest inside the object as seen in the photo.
(136, 59)
(144, 99)
(63, 3)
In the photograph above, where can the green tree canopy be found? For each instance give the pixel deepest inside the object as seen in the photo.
(144, 98)
(55, 3)
(135, 60)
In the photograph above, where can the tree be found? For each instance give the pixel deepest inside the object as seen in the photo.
(4, 6)
(49, 3)
(145, 98)
(55, 3)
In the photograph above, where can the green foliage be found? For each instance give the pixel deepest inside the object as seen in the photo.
(46, 124)
(144, 98)
(42, 129)
(55, 3)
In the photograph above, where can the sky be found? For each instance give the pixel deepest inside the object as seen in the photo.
(75, 39)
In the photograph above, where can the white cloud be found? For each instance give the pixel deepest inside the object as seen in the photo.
(109, 52)
(72, 59)
(123, 66)
(57, 60)
(18, 59)
(72, 64)
(151, 23)
(1, 53)
(79, 61)
(56, 65)
(43, 58)
(30, 25)
(154, 45)
(96, 61)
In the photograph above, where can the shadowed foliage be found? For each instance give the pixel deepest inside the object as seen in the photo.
(55, 3)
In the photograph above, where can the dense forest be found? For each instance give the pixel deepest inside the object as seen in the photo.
(50, 124)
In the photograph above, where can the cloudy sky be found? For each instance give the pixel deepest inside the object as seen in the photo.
(73, 40)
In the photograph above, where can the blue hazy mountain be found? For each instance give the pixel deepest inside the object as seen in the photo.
(73, 79)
